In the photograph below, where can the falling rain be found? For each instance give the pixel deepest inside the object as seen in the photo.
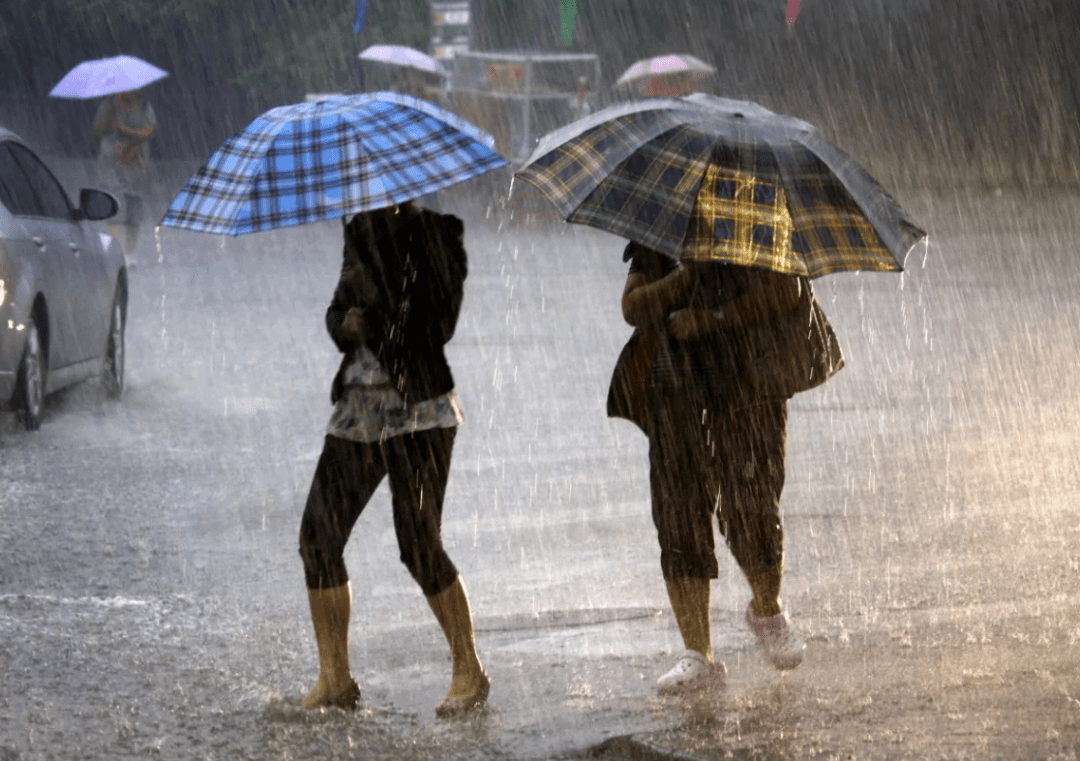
(152, 598)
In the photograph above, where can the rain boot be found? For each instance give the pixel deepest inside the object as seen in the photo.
(695, 669)
(330, 610)
(470, 684)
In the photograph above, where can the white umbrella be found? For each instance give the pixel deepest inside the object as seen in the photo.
(107, 76)
(399, 55)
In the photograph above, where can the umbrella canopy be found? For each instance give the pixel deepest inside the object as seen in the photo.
(708, 178)
(399, 55)
(107, 76)
(667, 75)
(322, 160)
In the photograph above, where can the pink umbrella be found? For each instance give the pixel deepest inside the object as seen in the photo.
(667, 75)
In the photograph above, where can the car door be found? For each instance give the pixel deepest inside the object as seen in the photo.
(62, 257)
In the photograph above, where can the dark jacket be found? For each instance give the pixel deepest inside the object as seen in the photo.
(790, 352)
(418, 262)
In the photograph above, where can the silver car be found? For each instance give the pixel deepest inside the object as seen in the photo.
(63, 292)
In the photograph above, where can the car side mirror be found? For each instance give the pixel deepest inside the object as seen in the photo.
(97, 204)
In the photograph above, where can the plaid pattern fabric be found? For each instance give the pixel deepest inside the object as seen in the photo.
(702, 177)
(649, 196)
(835, 232)
(310, 162)
(570, 162)
(742, 218)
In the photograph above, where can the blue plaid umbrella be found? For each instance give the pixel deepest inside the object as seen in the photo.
(707, 178)
(322, 160)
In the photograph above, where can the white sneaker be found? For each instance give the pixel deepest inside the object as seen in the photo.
(783, 645)
(693, 672)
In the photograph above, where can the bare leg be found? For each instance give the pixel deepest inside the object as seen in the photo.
(784, 646)
(765, 584)
(690, 603)
(695, 669)
(131, 236)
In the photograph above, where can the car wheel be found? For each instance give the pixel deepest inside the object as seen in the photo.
(113, 376)
(31, 383)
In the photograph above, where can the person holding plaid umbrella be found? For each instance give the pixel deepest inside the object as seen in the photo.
(395, 415)
(730, 210)
(716, 441)
(363, 158)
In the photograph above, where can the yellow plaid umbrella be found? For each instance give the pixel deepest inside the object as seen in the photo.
(708, 178)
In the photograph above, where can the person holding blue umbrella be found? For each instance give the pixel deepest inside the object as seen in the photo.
(395, 416)
(363, 159)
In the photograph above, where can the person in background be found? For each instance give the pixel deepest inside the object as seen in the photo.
(395, 415)
(124, 125)
(411, 82)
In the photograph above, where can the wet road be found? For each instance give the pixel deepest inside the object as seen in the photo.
(151, 599)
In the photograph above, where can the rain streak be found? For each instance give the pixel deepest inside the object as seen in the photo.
(704, 373)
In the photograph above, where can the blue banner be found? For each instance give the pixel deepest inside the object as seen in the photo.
(361, 16)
